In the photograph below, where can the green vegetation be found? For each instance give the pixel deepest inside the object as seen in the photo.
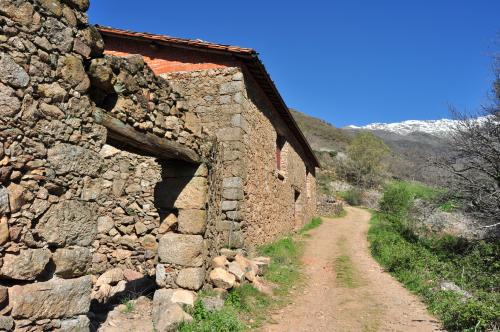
(449, 205)
(323, 180)
(284, 270)
(128, 305)
(422, 263)
(245, 307)
(346, 275)
(224, 320)
(352, 196)
(366, 165)
(315, 222)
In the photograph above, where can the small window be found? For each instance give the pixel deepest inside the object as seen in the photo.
(280, 143)
(297, 207)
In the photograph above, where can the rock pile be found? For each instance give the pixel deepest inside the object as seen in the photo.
(231, 269)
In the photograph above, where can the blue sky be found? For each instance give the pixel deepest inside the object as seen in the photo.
(347, 62)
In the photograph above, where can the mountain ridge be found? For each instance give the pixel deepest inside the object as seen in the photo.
(440, 128)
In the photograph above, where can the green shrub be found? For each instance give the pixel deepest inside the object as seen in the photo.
(352, 196)
(397, 199)
(367, 163)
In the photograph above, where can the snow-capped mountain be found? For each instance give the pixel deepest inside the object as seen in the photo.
(434, 127)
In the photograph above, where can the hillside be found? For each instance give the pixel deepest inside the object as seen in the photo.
(412, 143)
(321, 135)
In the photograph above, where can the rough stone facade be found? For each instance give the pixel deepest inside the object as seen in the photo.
(235, 103)
(84, 209)
(259, 201)
(113, 181)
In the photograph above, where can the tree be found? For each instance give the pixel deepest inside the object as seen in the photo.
(474, 160)
(367, 154)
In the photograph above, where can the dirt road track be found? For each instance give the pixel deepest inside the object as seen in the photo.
(363, 298)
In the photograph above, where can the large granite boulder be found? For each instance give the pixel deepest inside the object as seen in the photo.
(180, 249)
(72, 262)
(78, 324)
(69, 223)
(11, 73)
(191, 278)
(166, 313)
(66, 158)
(9, 103)
(57, 298)
(182, 193)
(192, 221)
(28, 265)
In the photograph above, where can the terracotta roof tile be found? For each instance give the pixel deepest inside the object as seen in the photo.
(178, 41)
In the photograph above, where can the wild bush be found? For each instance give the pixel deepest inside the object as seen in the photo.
(352, 196)
(366, 165)
(397, 199)
(473, 160)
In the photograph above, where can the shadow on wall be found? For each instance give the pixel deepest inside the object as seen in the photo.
(99, 312)
(170, 188)
(179, 188)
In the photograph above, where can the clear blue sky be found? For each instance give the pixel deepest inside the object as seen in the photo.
(349, 61)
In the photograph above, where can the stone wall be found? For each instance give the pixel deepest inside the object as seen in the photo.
(108, 179)
(217, 96)
(71, 206)
(329, 206)
(276, 202)
(258, 201)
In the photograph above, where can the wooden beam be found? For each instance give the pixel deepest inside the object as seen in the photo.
(151, 144)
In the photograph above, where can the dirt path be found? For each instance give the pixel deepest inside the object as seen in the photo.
(346, 290)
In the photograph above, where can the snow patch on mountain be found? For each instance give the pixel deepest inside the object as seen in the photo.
(433, 127)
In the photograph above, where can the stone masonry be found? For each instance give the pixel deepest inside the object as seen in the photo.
(84, 210)
(115, 180)
(258, 202)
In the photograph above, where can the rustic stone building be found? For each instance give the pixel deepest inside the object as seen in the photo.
(269, 167)
(114, 178)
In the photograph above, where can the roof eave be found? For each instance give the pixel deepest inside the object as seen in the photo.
(250, 58)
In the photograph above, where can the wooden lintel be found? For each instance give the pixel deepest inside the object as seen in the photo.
(149, 143)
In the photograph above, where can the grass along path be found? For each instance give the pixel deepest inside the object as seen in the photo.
(425, 261)
(345, 289)
(246, 308)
